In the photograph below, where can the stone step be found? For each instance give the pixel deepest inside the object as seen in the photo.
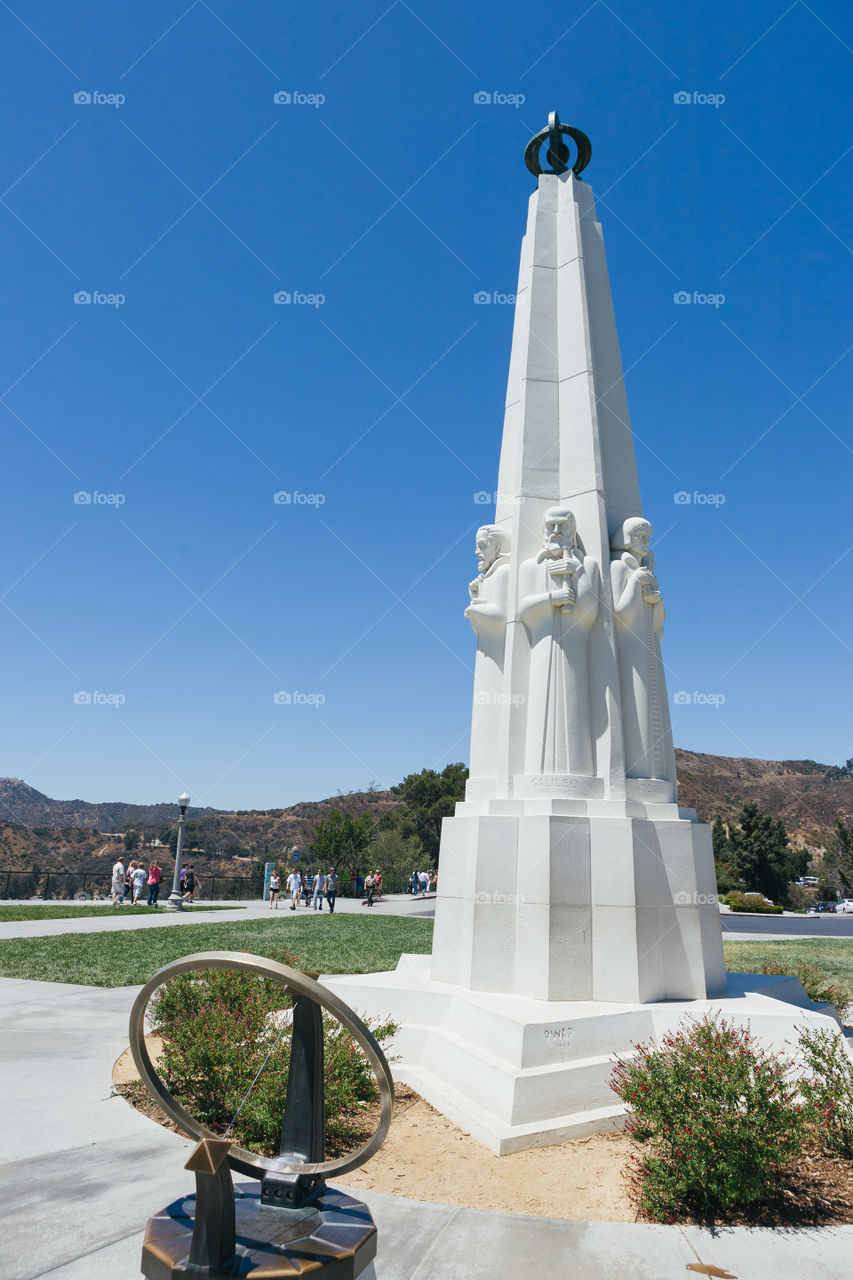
(515, 1096)
(499, 1136)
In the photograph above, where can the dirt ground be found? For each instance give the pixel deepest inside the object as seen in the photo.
(425, 1157)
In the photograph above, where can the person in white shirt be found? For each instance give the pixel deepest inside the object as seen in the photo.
(140, 878)
(294, 886)
(319, 887)
(274, 888)
(423, 878)
(117, 887)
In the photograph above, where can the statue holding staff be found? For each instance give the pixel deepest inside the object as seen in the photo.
(560, 591)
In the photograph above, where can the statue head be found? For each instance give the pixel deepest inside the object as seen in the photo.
(560, 530)
(491, 542)
(634, 535)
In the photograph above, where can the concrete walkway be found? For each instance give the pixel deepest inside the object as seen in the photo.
(81, 1172)
(398, 904)
(395, 904)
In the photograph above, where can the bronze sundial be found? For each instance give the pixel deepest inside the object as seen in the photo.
(294, 1224)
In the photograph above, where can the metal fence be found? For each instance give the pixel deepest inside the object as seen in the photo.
(69, 886)
(54, 885)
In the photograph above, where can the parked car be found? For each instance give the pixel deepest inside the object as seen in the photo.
(845, 906)
(822, 908)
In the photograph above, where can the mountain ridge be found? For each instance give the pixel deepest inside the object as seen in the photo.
(34, 829)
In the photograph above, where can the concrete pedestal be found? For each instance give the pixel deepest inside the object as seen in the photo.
(559, 899)
(517, 1072)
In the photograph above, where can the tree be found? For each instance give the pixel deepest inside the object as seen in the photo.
(720, 840)
(838, 861)
(760, 853)
(131, 839)
(342, 840)
(428, 797)
(396, 855)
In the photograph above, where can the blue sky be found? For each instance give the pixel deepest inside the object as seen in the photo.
(381, 198)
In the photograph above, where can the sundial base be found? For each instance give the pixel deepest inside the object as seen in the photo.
(334, 1236)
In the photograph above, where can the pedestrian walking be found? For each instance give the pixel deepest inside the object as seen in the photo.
(191, 883)
(423, 879)
(369, 886)
(332, 885)
(155, 875)
(140, 876)
(275, 889)
(353, 882)
(318, 887)
(414, 884)
(128, 881)
(294, 886)
(117, 883)
(377, 884)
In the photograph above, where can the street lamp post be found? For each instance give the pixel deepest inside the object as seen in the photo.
(175, 900)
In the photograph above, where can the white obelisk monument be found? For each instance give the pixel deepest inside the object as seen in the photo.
(576, 909)
(569, 872)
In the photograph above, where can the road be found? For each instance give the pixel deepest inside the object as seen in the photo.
(828, 926)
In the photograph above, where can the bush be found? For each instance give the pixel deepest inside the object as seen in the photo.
(751, 902)
(715, 1117)
(798, 897)
(222, 1028)
(819, 986)
(829, 1090)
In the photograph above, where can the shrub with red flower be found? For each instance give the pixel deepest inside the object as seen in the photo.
(828, 1091)
(715, 1117)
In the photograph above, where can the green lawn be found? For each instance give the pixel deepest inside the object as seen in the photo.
(323, 943)
(328, 944)
(70, 911)
(834, 955)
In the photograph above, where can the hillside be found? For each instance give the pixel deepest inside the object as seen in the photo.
(20, 802)
(807, 796)
(69, 834)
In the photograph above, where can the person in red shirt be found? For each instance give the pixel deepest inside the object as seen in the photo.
(155, 875)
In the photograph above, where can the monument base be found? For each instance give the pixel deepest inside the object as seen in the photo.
(579, 900)
(519, 1073)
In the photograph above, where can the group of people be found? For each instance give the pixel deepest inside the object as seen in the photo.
(131, 882)
(324, 886)
(422, 881)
